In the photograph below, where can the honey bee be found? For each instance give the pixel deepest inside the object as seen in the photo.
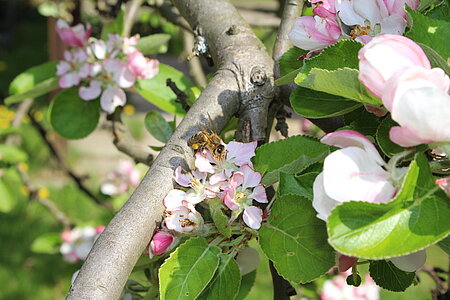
(204, 140)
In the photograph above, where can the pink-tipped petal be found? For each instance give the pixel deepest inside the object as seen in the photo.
(350, 138)
(241, 153)
(203, 164)
(259, 194)
(181, 178)
(251, 177)
(253, 217)
(91, 92)
(111, 98)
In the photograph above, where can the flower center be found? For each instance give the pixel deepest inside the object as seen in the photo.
(359, 30)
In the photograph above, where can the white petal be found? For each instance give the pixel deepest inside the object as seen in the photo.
(410, 262)
(253, 217)
(322, 203)
(91, 92)
(174, 199)
(111, 98)
(352, 174)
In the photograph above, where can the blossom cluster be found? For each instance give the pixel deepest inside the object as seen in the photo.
(337, 288)
(126, 175)
(231, 179)
(360, 20)
(101, 67)
(396, 69)
(78, 242)
(356, 172)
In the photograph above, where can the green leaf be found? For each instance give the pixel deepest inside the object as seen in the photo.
(156, 91)
(39, 89)
(297, 184)
(31, 77)
(158, 126)
(431, 32)
(353, 279)
(72, 117)
(400, 227)
(362, 121)
(192, 94)
(314, 104)
(290, 156)
(116, 26)
(435, 59)
(226, 281)
(389, 277)
(247, 282)
(296, 240)
(153, 44)
(188, 270)
(386, 145)
(288, 78)
(12, 154)
(47, 243)
(7, 200)
(425, 5)
(439, 11)
(219, 217)
(292, 60)
(445, 245)
(341, 82)
(346, 50)
(387, 230)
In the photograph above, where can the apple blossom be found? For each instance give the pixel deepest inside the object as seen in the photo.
(183, 219)
(200, 187)
(314, 33)
(324, 8)
(238, 196)
(337, 289)
(77, 243)
(142, 67)
(355, 172)
(76, 36)
(73, 69)
(385, 57)
(121, 179)
(162, 242)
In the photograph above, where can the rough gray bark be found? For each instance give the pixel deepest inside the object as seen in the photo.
(243, 84)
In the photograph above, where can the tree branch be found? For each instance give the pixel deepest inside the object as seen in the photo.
(130, 16)
(113, 256)
(194, 64)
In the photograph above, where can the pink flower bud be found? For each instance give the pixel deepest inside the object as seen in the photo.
(99, 229)
(313, 33)
(75, 36)
(161, 242)
(142, 67)
(386, 56)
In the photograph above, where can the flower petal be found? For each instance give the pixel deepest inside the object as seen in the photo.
(322, 203)
(174, 199)
(410, 262)
(253, 217)
(91, 92)
(111, 98)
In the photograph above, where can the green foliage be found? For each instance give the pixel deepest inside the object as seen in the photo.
(412, 221)
(247, 283)
(290, 156)
(362, 121)
(7, 199)
(116, 26)
(386, 145)
(47, 243)
(431, 32)
(158, 126)
(192, 94)
(436, 60)
(12, 154)
(439, 11)
(39, 89)
(291, 68)
(296, 240)
(389, 277)
(31, 77)
(314, 104)
(341, 82)
(226, 281)
(156, 91)
(72, 117)
(291, 61)
(153, 44)
(445, 245)
(354, 279)
(188, 270)
(219, 217)
(301, 185)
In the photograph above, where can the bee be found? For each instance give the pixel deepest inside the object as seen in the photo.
(204, 140)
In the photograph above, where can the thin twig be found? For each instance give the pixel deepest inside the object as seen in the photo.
(181, 96)
(77, 179)
(194, 64)
(171, 14)
(130, 16)
(125, 143)
(33, 193)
